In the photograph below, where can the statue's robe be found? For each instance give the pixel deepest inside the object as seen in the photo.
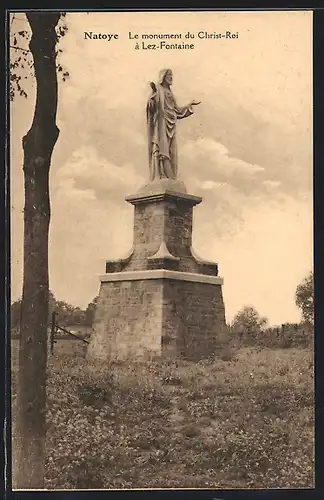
(162, 115)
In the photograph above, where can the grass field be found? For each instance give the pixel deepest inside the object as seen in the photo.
(244, 421)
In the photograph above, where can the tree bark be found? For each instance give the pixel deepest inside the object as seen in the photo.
(38, 144)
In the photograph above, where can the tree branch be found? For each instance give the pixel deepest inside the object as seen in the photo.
(19, 48)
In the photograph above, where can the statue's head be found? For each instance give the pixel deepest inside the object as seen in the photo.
(166, 76)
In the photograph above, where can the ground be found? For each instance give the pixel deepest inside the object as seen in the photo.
(243, 420)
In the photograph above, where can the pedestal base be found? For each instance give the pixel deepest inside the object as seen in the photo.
(160, 313)
(161, 299)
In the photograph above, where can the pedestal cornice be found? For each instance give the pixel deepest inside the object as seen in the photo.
(161, 274)
(166, 194)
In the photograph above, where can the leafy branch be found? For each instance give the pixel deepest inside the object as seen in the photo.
(21, 59)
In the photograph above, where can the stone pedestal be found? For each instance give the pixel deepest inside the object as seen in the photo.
(160, 300)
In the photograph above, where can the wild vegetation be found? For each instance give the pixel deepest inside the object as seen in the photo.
(242, 420)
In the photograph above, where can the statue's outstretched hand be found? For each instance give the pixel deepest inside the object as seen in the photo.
(195, 103)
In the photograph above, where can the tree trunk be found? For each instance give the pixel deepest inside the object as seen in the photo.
(38, 144)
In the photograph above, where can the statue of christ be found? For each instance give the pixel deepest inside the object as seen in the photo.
(162, 115)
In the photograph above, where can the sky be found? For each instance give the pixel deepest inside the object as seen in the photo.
(247, 150)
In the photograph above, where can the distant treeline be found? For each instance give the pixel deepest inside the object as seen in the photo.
(66, 314)
(283, 336)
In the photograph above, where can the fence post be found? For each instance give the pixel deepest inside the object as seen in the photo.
(52, 333)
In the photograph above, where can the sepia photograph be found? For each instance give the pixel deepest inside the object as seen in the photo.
(161, 228)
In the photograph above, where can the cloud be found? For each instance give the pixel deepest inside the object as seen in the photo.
(269, 184)
(212, 185)
(215, 157)
(67, 188)
(208, 145)
(88, 173)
